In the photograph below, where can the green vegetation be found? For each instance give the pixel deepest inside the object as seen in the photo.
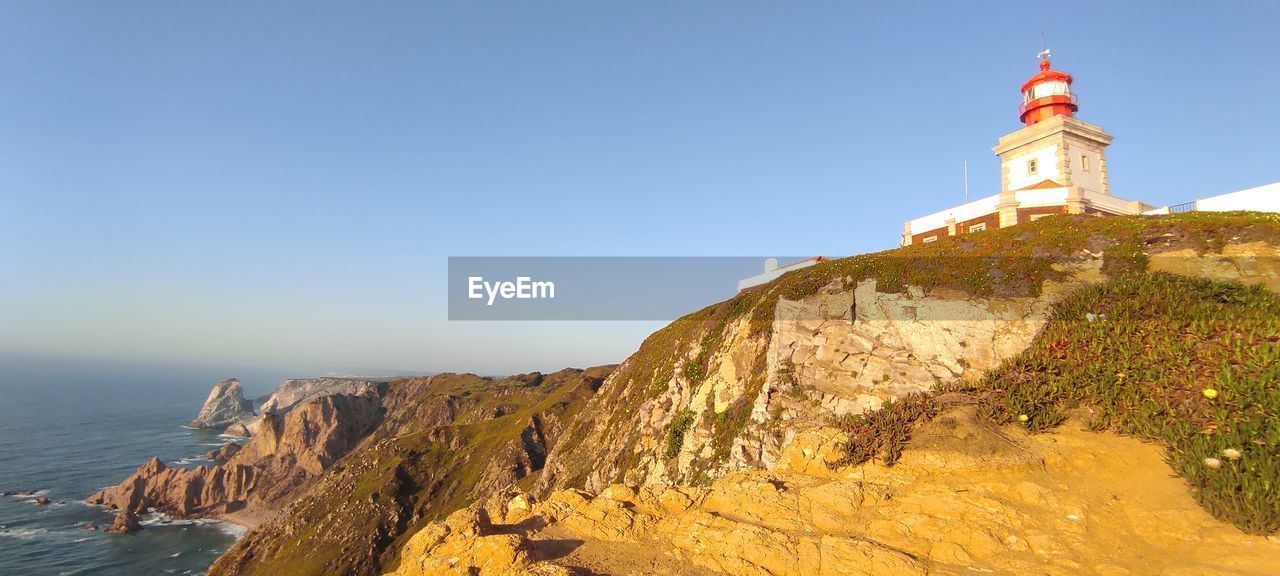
(679, 424)
(884, 433)
(1192, 364)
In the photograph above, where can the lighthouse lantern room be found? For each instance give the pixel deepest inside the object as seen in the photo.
(1047, 94)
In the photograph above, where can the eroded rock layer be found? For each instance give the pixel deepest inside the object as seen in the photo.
(966, 498)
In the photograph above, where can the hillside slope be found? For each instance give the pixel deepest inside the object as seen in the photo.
(727, 387)
(1013, 467)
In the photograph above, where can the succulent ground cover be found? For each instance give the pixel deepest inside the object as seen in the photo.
(1190, 363)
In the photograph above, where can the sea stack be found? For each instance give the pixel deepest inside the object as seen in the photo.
(226, 405)
(126, 521)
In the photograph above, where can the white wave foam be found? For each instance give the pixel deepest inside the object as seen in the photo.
(232, 529)
(23, 533)
(193, 460)
(162, 519)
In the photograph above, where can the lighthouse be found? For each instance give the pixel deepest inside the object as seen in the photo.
(1053, 149)
(1054, 164)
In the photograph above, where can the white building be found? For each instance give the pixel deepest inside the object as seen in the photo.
(1264, 198)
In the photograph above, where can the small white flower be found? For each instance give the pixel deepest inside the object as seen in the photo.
(1213, 463)
(1091, 316)
(1231, 454)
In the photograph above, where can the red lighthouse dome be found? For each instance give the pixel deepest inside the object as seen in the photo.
(1047, 94)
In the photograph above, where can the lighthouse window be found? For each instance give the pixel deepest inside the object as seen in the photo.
(1084, 163)
(1031, 166)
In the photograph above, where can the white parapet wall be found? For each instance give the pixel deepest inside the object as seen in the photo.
(1265, 198)
(979, 207)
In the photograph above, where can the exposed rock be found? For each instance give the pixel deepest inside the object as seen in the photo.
(90, 526)
(290, 452)
(226, 405)
(293, 392)
(444, 441)
(965, 498)
(126, 521)
(223, 453)
(41, 500)
(242, 429)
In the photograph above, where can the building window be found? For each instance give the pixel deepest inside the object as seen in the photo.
(1084, 163)
(1031, 166)
(929, 239)
(978, 227)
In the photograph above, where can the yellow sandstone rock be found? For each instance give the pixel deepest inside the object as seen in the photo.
(964, 499)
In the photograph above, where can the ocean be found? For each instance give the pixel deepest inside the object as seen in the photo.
(70, 427)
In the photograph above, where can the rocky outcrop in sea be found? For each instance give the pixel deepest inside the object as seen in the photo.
(284, 457)
(225, 406)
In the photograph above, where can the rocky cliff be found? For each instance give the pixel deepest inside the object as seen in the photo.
(942, 409)
(728, 387)
(295, 391)
(289, 452)
(225, 406)
(443, 442)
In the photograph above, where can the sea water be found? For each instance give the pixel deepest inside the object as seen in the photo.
(71, 427)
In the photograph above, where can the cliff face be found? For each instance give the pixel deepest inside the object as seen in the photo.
(442, 442)
(295, 391)
(225, 406)
(288, 453)
(728, 387)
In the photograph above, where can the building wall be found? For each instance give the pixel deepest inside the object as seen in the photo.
(991, 220)
(939, 232)
(1027, 214)
(1074, 172)
(1263, 199)
(1047, 167)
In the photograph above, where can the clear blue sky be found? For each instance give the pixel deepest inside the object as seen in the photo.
(280, 183)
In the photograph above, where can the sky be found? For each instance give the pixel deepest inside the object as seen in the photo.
(280, 184)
